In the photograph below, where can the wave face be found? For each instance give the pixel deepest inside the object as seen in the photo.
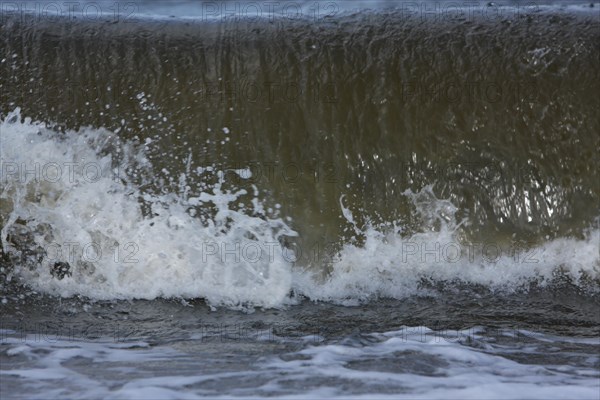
(367, 155)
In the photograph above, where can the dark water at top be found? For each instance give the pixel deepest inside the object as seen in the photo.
(499, 114)
(493, 106)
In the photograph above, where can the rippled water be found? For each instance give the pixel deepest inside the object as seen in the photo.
(536, 346)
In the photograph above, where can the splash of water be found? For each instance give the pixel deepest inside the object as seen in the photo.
(78, 219)
(66, 198)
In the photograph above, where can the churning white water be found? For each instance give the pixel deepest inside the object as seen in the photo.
(80, 196)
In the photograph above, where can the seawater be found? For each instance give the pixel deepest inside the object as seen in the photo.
(365, 204)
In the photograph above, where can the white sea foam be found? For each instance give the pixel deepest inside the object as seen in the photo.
(393, 266)
(413, 362)
(84, 210)
(417, 362)
(79, 195)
